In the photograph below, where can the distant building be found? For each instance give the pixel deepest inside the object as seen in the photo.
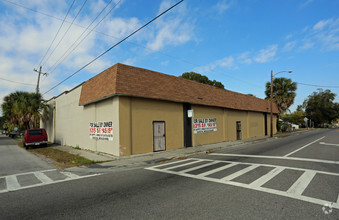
(127, 110)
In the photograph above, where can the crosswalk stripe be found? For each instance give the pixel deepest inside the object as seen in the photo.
(42, 177)
(174, 162)
(207, 173)
(300, 185)
(265, 178)
(198, 167)
(181, 165)
(239, 173)
(12, 182)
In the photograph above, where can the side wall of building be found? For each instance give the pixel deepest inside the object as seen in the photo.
(136, 124)
(71, 124)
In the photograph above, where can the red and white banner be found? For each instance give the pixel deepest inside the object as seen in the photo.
(204, 125)
(101, 130)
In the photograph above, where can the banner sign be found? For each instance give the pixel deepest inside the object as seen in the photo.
(101, 130)
(204, 125)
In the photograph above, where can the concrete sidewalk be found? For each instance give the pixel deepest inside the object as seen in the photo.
(108, 161)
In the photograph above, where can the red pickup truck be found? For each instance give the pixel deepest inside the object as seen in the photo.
(34, 137)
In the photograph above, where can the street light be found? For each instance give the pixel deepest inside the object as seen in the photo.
(286, 71)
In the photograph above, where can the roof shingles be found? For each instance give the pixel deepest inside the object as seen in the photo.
(127, 80)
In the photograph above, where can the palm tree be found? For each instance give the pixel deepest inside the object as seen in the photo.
(283, 93)
(24, 109)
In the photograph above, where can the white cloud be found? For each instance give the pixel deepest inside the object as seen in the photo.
(222, 6)
(289, 46)
(244, 58)
(307, 2)
(174, 29)
(307, 45)
(226, 62)
(266, 55)
(321, 24)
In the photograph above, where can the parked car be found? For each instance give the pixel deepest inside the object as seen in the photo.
(35, 137)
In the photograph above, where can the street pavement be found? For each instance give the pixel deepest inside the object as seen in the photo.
(294, 177)
(21, 170)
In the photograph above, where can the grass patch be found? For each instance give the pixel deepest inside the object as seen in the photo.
(58, 158)
(61, 159)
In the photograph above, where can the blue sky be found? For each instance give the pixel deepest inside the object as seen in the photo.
(237, 42)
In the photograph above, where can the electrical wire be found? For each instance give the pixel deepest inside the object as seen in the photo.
(69, 27)
(132, 43)
(16, 82)
(134, 32)
(57, 33)
(317, 85)
(69, 51)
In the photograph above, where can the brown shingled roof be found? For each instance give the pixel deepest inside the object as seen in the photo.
(127, 80)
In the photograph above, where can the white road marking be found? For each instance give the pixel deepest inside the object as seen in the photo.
(303, 147)
(239, 173)
(300, 185)
(70, 175)
(181, 165)
(276, 157)
(12, 182)
(198, 167)
(207, 173)
(42, 177)
(323, 143)
(294, 193)
(173, 162)
(19, 174)
(267, 177)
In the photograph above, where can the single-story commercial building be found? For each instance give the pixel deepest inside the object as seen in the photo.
(127, 110)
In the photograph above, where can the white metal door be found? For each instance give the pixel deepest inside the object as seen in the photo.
(159, 137)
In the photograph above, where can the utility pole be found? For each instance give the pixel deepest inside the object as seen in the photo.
(37, 85)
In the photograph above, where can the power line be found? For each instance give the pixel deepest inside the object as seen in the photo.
(327, 86)
(116, 44)
(69, 51)
(16, 82)
(56, 33)
(69, 27)
(159, 52)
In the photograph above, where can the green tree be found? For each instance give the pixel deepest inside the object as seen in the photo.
(283, 93)
(321, 108)
(297, 117)
(201, 79)
(24, 110)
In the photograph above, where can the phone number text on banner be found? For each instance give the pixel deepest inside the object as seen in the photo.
(101, 130)
(204, 125)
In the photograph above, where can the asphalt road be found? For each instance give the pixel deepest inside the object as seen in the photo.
(295, 177)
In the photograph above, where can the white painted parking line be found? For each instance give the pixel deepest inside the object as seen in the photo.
(239, 173)
(276, 157)
(329, 144)
(12, 182)
(207, 173)
(300, 185)
(198, 167)
(267, 177)
(303, 147)
(42, 177)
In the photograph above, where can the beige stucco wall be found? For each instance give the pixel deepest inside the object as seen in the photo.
(72, 122)
(136, 124)
(231, 117)
(202, 112)
(256, 124)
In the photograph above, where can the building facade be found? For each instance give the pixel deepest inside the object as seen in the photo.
(127, 110)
